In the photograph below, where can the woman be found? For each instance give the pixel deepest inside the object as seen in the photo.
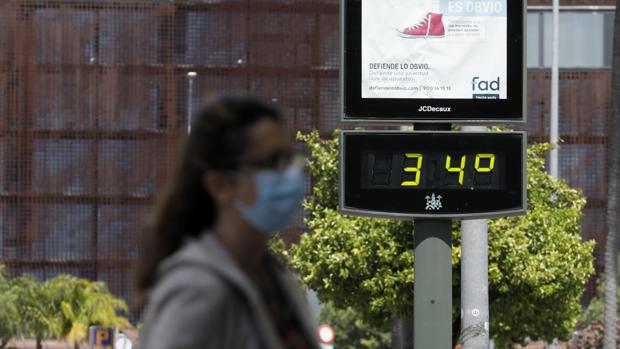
(206, 269)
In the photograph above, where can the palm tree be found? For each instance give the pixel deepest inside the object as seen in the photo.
(62, 307)
(613, 219)
(38, 317)
(8, 315)
(84, 303)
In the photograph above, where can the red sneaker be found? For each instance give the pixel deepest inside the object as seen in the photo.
(430, 27)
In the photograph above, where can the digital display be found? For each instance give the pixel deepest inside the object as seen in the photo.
(432, 174)
(419, 169)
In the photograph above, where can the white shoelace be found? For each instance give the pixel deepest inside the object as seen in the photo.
(424, 21)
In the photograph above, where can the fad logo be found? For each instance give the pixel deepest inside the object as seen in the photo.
(428, 108)
(485, 89)
(484, 85)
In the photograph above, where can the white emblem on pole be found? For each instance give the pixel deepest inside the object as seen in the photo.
(433, 203)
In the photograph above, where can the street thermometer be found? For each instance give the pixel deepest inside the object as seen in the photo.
(432, 174)
(433, 177)
(432, 64)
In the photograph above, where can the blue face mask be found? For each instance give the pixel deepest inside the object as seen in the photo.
(278, 196)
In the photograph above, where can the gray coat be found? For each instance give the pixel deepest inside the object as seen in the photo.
(202, 300)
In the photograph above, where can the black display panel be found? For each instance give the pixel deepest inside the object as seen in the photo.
(432, 174)
(469, 69)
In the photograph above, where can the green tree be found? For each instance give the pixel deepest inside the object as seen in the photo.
(37, 315)
(8, 304)
(83, 303)
(62, 307)
(538, 264)
(351, 331)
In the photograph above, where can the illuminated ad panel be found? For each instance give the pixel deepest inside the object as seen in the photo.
(430, 49)
(446, 60)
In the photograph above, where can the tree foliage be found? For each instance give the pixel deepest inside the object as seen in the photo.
(351, 331)
(37, 317)
(84, 303)
(61, 307)
(8, 314)
(538, 264)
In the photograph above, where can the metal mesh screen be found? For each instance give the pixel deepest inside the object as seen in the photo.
(94, 99)
(585, 119)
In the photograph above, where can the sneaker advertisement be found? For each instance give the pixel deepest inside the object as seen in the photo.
(434, 49)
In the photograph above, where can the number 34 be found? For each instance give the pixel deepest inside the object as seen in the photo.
(417, 169)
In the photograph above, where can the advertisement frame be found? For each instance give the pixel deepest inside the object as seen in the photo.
(354, 108)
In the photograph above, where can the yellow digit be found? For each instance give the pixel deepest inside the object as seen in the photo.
(456, 169)
(491, 158)
(415, 169)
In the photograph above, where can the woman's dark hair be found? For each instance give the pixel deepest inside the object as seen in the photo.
(217, 141)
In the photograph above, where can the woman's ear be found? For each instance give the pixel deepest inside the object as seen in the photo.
(218, 186)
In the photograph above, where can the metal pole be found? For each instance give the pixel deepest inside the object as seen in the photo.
(402, 328)
(555, 78)
(474, 279)
(190, 94)
(432, 312)
(555, 92)
(432, 287)
(474, 284)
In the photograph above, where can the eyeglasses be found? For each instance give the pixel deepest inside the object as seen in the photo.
(275, 161)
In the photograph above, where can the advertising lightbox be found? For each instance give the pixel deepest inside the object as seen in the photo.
(433, 60)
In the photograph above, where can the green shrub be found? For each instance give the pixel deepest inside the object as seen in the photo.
(538, 265)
